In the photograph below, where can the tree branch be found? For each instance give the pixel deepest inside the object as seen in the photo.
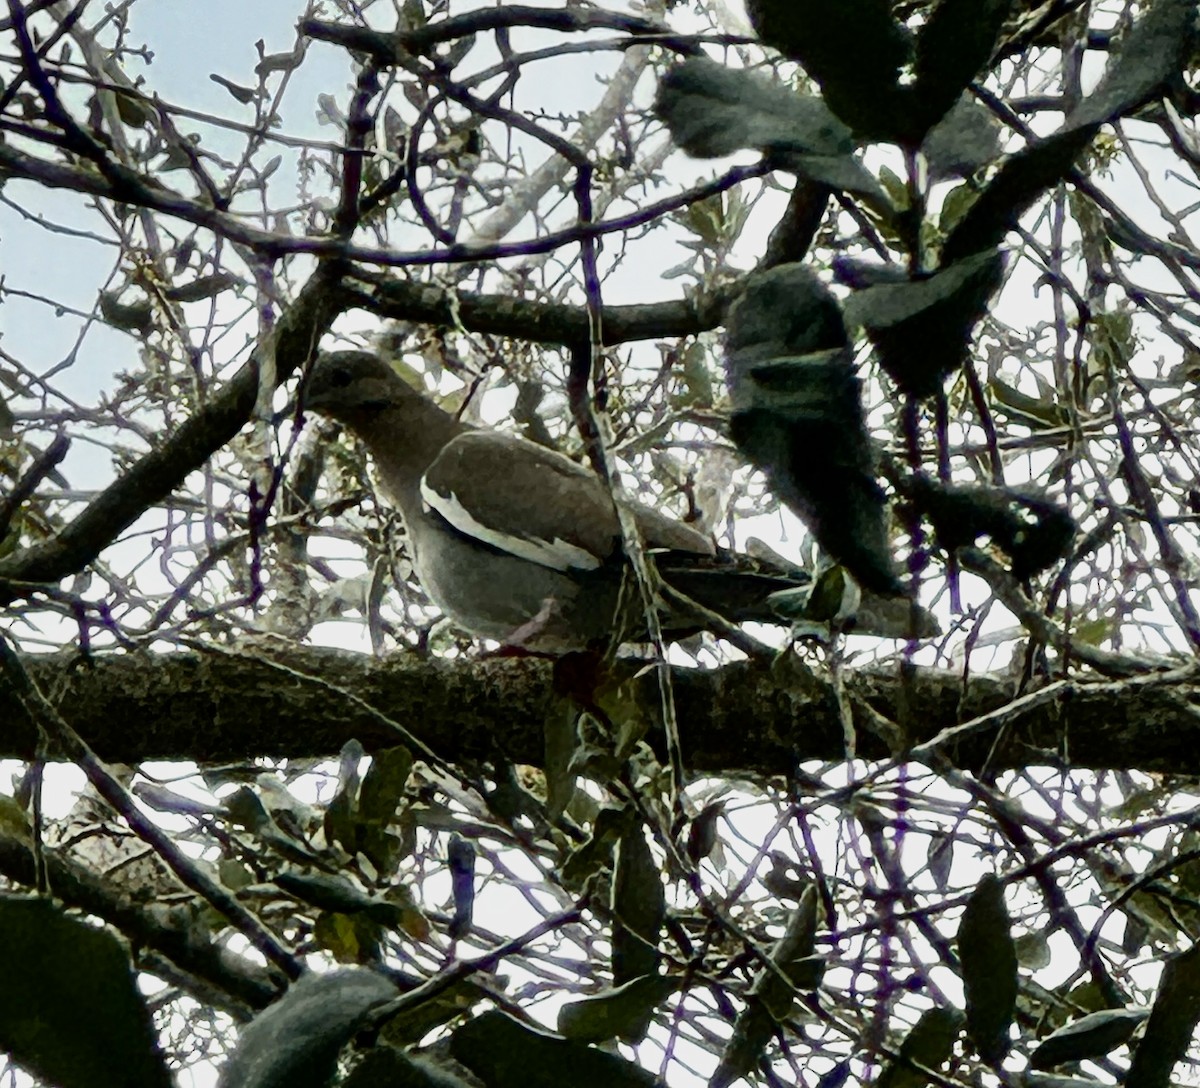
(744, 718)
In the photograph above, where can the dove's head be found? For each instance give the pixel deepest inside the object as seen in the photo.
(354, 386)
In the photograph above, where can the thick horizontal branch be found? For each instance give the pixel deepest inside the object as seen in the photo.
(537, 322)
(744, 718)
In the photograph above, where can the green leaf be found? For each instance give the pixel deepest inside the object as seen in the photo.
(203, 287)
(136, 316)
(505, 1053)
(245, 808)
(706, 218)
(713, 110)
(233, 874)
(639, 906)
(895, 187)
(930, 1043)
(771, 998)
(349, 938)
(1024, 177)
(339, 813)
(595, 854)
(1022, 408)
(410, 1026)
(134, 110)
(1033, 531)
(840, 172)
(561, 742)
(244, 95)
(696, 376)
(853, 48)
(360, 812)
(702, 832)
(331, 892)
(70, 1011)
(175, 157)
(383, 785)
(1033, 950)
(1090, 1036)
(989, 968)
(793, 955)
(1154, 50)
(963, 141)
(622, 1012)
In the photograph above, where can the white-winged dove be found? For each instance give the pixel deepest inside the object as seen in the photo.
(516, 542)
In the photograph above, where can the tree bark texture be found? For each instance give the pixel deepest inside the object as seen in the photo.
(751, 718)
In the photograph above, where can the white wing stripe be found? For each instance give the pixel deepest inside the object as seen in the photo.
(560, 555)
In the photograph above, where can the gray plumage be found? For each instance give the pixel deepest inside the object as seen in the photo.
(515, 542)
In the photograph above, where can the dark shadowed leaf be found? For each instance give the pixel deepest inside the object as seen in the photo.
(836, 1077)
(1090, 1036)
(921, 329)
(771, 997)
(713, 110)
(940, 856)
(134, 110)
(989, 968)
(295, 1042)
(1149, 56)
(639, 906)
(1033, 531)
(929, 1044)
(596, 853)
(1019, 182)
(1049, 1080)
(964, 140)
(702, 833)
(70, 1011)
(244, 95)
(1172, 1022)
(203, 287)
(952, 47)
(387, 1067)
(857, 612)
(330, 892)
(561, 744)
(858, 273)
(793, 955)
(413, 1023)
(853, 48)
(383, 785)
(505, 1053)
(460, 855)
(840, 172)
(137, 315)
(1151, 53)
(1033, 950)
(797, 415)
(349, 938)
